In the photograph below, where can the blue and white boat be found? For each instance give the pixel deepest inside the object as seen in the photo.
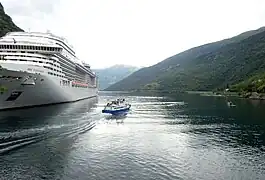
(117, 107)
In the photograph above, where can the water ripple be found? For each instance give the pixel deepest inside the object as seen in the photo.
(160, 138)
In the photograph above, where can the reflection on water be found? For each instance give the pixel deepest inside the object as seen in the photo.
(176, 137)
(26, 126)
(23, 118)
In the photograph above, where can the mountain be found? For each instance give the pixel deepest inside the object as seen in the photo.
(6, 23)
(206, 67)
(113, 74)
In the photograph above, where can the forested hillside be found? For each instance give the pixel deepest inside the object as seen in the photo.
(207, 67)
(6, 23)
(113, 74)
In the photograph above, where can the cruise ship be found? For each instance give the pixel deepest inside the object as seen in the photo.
(40, 69)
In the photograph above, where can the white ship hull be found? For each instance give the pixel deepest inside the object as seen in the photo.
(41, 89)
(40, 69)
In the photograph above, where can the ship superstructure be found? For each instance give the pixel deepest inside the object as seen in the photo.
(41, 68)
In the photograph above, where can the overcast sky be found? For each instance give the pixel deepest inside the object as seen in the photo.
(136, 32)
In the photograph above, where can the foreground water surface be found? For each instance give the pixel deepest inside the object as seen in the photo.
(181, 137)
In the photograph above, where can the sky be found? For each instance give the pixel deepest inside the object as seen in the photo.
(136, 32)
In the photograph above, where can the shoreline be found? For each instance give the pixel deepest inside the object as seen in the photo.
(243, 95)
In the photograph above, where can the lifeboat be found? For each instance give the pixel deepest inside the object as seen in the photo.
(79, 84)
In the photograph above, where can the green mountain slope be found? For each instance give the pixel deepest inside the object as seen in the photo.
(206, 67)
(113, 74)
(6, 23)
(255, 83)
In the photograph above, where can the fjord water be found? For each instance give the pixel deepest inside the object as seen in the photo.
(180, 137)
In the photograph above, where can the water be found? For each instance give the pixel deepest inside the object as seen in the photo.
(181, 137)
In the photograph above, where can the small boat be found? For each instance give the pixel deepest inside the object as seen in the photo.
(230, 104)
(117, 107)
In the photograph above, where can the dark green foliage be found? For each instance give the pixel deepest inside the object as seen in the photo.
(254, 84)
(6, 23)
(207, 67)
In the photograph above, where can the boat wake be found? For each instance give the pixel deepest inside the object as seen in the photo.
(16, 140)
(159, 103)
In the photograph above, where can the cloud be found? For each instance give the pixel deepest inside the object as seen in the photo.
(138, 32)
(30, 7)
(31, 14)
